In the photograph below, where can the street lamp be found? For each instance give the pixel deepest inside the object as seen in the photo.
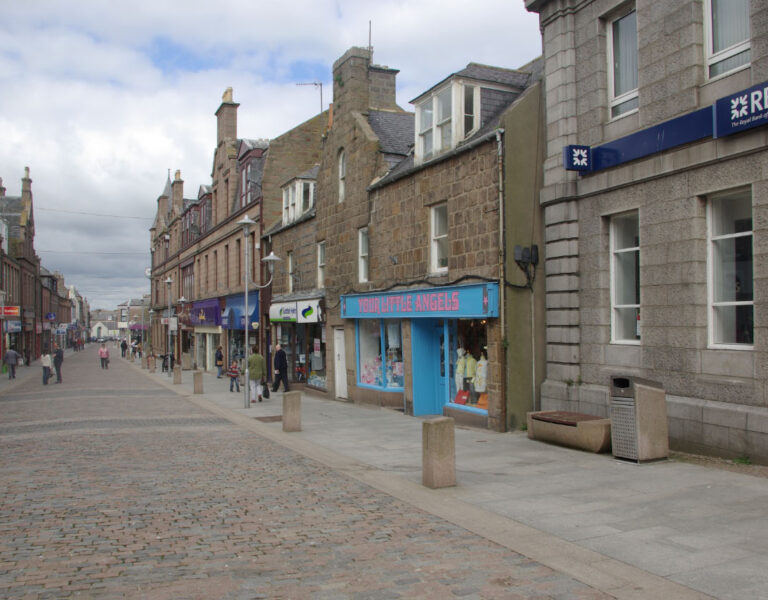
(182, 302)
(151, 312)
(246, 223)
(168, 283)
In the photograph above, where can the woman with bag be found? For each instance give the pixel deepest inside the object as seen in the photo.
(104, 356)
(45, 362)
(219, 361)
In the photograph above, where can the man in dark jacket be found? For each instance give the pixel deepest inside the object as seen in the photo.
(58, 358)
(281, 369)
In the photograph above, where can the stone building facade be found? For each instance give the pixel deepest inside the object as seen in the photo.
(655, 197)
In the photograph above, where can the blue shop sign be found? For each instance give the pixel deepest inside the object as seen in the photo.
(205, 313)
(732, 114)
(741, 111)
(233, 316)
(449, 302)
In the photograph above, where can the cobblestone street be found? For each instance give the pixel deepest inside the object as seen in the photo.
(114, 486)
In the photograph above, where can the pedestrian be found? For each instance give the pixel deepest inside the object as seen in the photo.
(234, 375)
(219, 361)
(58, 358)
(257, 373)
(12, 361)
(139, 349)
(123, 347)
(45, 362)
(281, 369)
(104, 356)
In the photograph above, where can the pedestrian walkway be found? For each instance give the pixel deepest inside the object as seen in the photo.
(660, 530)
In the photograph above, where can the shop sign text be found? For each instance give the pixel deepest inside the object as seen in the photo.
(410, 303)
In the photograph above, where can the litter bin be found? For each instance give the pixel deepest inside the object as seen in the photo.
(639, 430)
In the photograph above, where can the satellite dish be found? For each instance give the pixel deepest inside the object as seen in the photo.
(148, 271)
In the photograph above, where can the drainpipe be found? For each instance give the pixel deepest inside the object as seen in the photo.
(502, 276)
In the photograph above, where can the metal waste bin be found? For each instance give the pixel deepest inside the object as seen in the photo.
(639, 430)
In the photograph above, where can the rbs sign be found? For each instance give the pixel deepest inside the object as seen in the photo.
(742, 110)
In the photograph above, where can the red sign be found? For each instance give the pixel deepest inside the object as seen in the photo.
(11, 311)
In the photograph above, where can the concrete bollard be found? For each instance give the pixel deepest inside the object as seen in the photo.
(144, 362)
(197, 378)
(151, 364)
(292, 411)
(438, 453)
(177, 374)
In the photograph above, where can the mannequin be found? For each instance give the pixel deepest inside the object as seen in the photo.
(461, 367)
(469, 378)
(481, 374)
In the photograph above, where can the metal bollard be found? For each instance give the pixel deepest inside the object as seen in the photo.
(438, 453)
(292, 411)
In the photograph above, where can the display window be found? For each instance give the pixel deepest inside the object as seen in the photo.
(469, 371)
(380, 354)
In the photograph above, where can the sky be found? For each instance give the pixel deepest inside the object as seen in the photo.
(100, 99)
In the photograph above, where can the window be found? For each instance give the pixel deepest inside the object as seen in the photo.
(625, 278)
(439, 250)
(445, 118)
(362, 253)
(342, 174)
(321, 265)
(290, 272)
(622, 50)
(380, 361)
(244, 187)
(239, 263)
(298, 199)
(728, 35)
(730, 269)
(226, 264)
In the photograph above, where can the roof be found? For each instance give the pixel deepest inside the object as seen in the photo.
(484, 73)
(395, 130)
(11, 209)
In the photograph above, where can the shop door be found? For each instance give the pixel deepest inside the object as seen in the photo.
(340, 363)
(428, 383)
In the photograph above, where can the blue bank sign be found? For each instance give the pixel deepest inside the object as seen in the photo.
(732, 114)
(741, 111)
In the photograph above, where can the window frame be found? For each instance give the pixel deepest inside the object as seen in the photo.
(616, 102)
(362, 257)
(321, 248)
(712, 58)
(435, 240)
(712, 304)
(342, 174)
(616, 307)
(289, 270)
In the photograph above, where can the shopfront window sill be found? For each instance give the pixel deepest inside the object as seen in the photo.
(470, 409)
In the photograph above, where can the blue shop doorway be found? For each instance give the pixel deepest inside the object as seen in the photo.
(433, 348)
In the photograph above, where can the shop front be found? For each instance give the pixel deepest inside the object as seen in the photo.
(299, 327)
(205, 318)
(233, 321)
(431, 346)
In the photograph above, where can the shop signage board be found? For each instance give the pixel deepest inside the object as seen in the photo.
(731, 114)
(308, 311)
(462, 301)
(10, 312)
(13, 326)
(283, 312)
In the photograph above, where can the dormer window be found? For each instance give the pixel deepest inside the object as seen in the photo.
(298, 199)
(445, 118)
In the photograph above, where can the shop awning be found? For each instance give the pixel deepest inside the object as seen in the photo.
(205, 313)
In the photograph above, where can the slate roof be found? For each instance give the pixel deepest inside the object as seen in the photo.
(515, 78)
(394, 130)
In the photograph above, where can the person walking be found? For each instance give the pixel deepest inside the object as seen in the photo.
(58, 358)
(257, 373)
(234, 375)
(219, 362)
(123, 347)
(12, 361)
(281, 369)
(45, 362)
(104, 356)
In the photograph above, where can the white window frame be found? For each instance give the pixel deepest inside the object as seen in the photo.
(305, 184)
(617, 307)
(616, 102)
(286, 204)
(342, 160)
(715, 58)
(475, 109)
(712, 238)
(290, 272)
(321, 265)
(436, 238)
(293, 199)
(363, 250)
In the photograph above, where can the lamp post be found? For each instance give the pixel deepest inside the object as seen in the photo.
(151, 312)
(168, 283)
(182, 302)
(246, 223)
